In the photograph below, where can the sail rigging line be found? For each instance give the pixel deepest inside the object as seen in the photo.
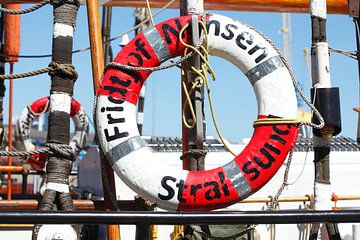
(27, 10)
(110, 40)
(63, 69)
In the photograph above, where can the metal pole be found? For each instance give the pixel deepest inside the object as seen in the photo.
(105, 32)
(9, 162)
(323, 93)
(166, 218)
(97, 60)
(2, 72)
(355, 9)
(193, 138)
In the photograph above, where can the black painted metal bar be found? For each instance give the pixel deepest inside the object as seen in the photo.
(170, 218)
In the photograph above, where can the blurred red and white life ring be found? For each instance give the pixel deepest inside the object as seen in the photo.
(34, 110)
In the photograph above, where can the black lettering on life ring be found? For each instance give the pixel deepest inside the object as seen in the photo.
(272, 148)
(116, 101)
(248, 170)
(278, 139)
(181, 186)
(214, 192)
(138, 58)
(194, 189)
(112, 109)
(244, 39)
(140, 47)
(116, 135)
(166, 28)
(279, 131)
(262, 55)
(216, 24)
(112, 120)
(168, 188)
(115, 89)
(224, 186)
(116, 80)
(230, 32)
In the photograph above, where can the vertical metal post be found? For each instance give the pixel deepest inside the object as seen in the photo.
(193, 139)
(24, 185)
(10, 145)
(321, 90)
(105, 32)
(358, 125)
(2, 72)
(354, 10)
(11, 47)
(97, 60)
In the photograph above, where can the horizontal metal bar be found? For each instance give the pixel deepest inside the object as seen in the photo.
(170, 218)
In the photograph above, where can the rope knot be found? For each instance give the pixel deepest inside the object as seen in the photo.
(61, 151)
(60, 2)
(64, 70)
(193, 153)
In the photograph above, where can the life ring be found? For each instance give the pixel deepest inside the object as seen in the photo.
(177, 189)
(40, 106)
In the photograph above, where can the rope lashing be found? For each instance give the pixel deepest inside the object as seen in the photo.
(193, 153)
(40, 5)
(27, 10)
(61, 69)
(60, 2)
(53, 149)
(272, 121)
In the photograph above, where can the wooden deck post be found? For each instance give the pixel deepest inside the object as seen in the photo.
(97, 60)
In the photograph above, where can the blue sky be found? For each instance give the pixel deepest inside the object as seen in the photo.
(234, 101)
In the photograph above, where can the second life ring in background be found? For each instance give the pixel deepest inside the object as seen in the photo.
(178, 189)
(40, 106)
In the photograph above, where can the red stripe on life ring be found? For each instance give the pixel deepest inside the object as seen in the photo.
(39, 106)
(138, 52)
(75, 107)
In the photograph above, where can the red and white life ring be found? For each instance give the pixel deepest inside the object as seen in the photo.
(179, 189)
(40, 106)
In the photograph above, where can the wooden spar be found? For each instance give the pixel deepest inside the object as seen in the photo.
(12, 34)
(301, 6)
(97, 54)
(298, 6)
(11, 169)
(97, 60)
(11, 47)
